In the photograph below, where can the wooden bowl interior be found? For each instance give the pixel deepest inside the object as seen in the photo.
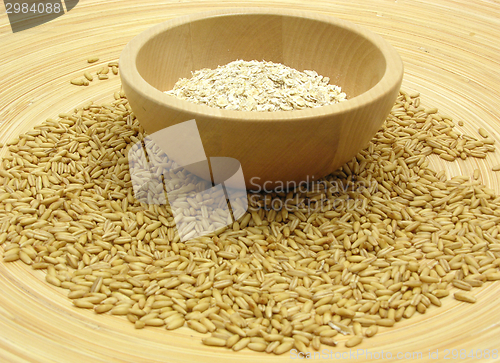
(343, 54)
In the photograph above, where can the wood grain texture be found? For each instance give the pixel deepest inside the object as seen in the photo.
(273, 148)
(451, 56)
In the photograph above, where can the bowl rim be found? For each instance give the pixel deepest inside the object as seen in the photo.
(391, 78)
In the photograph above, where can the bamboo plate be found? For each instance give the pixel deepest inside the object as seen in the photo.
(451, 56)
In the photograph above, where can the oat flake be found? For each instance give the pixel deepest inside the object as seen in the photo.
(257, 86)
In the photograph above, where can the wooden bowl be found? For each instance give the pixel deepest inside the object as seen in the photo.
(273, 148)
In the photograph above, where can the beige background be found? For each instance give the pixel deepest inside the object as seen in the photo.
(452, 56)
